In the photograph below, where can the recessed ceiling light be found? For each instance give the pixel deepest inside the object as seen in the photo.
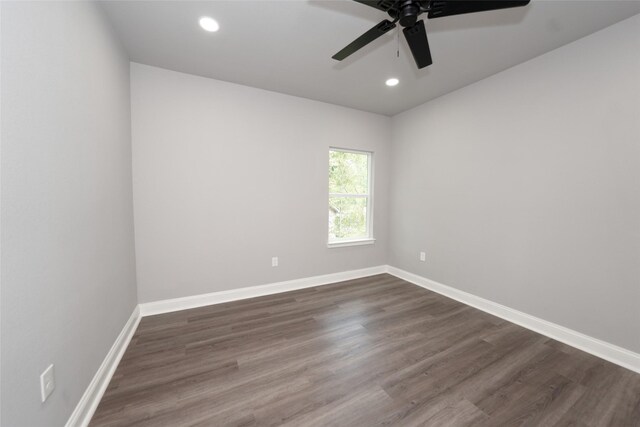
(209, 24)
(392, 82)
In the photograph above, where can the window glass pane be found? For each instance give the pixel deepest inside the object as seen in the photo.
(348, 172)
(347, 217)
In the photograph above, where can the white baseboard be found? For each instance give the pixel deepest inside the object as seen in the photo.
(614, 354)
(91, 398)
(184, 303)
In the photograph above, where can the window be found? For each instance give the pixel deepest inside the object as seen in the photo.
(350, 200)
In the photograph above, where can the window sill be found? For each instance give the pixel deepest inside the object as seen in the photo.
(358, 242)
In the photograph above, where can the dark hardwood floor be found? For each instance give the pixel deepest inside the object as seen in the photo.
(368, 352)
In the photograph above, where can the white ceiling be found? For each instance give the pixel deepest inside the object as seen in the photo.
(286, 46)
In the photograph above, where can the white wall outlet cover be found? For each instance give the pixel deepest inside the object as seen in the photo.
(423, 256)
(274, 261)
(47, 383)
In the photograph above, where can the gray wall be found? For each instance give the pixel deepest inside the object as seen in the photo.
(524, 188)
(227, 176)
(68, 266)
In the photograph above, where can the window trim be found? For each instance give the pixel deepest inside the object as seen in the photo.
(355, 241)
(350, 242)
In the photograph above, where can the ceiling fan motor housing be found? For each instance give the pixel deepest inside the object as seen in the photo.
(409, 11)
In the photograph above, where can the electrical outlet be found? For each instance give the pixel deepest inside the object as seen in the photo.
(274, 261)
(423, 256)
(47, 383)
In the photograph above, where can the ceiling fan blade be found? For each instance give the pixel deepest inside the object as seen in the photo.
(383, 5)
(365, 39)
(417, 38)
(440, 8)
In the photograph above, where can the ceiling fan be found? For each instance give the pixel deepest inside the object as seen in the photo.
(406, 12)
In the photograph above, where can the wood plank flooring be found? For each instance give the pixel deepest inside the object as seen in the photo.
(368, 352)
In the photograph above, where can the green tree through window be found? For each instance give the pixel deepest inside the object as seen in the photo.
(349, 195)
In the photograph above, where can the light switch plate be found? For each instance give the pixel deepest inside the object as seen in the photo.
(47, 383)
(423, 256)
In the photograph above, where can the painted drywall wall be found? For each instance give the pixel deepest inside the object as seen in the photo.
(68, 266)
(226, 177)
(524, 188)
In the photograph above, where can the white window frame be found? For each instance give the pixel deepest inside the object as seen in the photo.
(349, 241)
